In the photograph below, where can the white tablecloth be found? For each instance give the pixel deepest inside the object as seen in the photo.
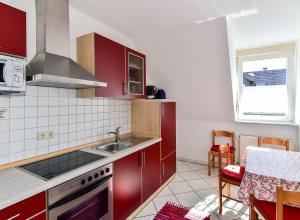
(273, 163)
(266, 169)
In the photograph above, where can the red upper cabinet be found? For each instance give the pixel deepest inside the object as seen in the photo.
(151, 170)
(135, 86)
(12, 31)
(109, 66)
(127, 185)
(123, 69)
(168, 128)
(104, 59)
(26, 210)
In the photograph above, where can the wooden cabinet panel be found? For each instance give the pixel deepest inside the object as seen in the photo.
(109, 66)
(168, 167)
(25, 209)
(135, 86)
(127, 185)
(12, 31)
(151, 170)
(168, 128)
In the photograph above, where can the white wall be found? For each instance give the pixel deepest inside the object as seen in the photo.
(192, 64)
(80, 24)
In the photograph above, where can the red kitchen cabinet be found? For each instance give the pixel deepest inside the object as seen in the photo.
(135, 77)
(150, 170)
(127, 185)
(12, 31)
(104, 59)
(31, 208)
(168, 128)
(123, 69)
(168, 167)
(157, 118)
(109, 66)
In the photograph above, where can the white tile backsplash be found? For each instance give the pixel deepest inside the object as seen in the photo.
(73, 121)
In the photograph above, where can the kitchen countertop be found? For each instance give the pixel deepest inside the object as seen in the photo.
(17, 185)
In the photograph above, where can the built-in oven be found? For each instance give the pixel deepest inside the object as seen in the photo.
(12, 74)
(88, 197)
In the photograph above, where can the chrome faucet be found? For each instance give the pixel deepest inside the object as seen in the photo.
(117, 134)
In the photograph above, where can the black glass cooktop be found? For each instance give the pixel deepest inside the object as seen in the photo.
(56, 166)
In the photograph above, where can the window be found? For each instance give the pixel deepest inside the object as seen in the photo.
(266, 87)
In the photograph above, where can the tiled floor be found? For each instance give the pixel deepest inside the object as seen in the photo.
(193, 188)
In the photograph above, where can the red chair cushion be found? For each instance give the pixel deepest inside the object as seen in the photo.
(269, 209)
(233, 172)
(217, 147)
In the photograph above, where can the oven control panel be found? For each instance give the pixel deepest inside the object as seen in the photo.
(96, 175)
(79, 183)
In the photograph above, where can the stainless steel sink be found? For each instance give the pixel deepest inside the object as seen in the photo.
(122, 145)
(114, 147)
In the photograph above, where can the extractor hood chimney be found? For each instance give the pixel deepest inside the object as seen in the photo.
(51, 66)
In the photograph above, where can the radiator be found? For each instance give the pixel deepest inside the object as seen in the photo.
(246, 140)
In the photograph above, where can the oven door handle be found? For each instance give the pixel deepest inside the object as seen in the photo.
(78, 194)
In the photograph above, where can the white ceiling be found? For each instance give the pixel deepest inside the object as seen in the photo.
(137, 17)
(275, 20)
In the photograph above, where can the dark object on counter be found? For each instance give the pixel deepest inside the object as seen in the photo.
(160, 94)
(151, 91)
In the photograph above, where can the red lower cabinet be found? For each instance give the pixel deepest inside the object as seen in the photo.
(31, 208)
(151, 170)
(168, 167)
(168, 128)
(127, 185)
(136, 178)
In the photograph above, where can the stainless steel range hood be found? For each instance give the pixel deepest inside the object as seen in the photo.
(51, 66)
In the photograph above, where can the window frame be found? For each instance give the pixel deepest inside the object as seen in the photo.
(291, 85)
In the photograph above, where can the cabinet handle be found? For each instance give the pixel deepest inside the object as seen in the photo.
(37, 214)
(15, 216)
(163, 166)
(125, 87)
(144, 159)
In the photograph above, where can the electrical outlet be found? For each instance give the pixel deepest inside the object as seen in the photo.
(45, 135)
(51, 134)
(41, 135)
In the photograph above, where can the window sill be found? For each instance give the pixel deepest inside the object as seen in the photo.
(267, 122)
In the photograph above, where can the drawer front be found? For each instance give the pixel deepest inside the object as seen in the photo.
(168, 168)
(25, 209)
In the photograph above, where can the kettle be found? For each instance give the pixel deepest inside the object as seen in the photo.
(151, 91)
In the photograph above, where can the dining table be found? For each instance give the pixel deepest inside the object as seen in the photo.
(267, 168)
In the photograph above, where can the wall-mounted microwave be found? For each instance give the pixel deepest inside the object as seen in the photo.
(12, 74)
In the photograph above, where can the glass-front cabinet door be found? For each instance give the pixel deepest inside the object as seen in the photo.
(135, 73)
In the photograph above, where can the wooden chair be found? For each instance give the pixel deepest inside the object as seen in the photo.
(281, 210)
(273, 141)
(229, 175)
(214, 150)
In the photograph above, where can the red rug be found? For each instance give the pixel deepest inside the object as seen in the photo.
(172, 211)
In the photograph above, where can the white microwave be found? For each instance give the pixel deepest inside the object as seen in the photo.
(12, 74)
